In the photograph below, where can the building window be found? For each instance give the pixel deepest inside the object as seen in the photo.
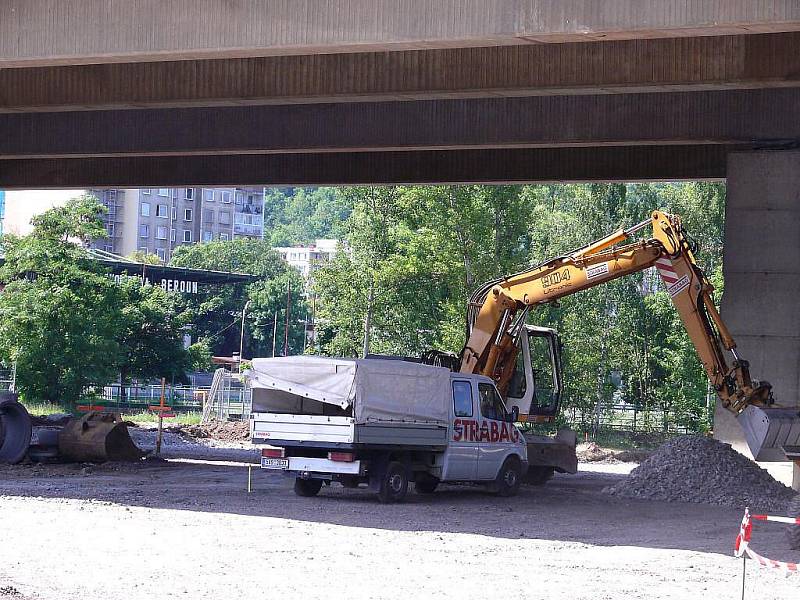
(161, 232)
(187, 214)
(161, 210)
(225, 197)
(144, 231)
(110, 229)
(174, 213)
(239, 198)
(108, 248)
(163, 192)
(145, 209)
(208, 195)
(190, 193)
(207, 236)
(225, 217)
(146, 191)
(171, 235)
(223, 237)
(143, 250)
(162, 253)
(187, 235)
(208, 215)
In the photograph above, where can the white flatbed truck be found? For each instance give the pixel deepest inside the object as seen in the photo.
(383, 423)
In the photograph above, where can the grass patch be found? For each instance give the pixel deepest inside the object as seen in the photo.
(188, 418)
(39, 408)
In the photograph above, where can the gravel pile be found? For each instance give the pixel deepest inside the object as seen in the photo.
(703, 470)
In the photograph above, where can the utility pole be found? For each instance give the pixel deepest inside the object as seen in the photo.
(368, 317)
(288, 312)
(241, 337)
(274, 333)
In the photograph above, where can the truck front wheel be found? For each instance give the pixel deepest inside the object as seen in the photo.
(509, 478)
(307, 487)
(393, 484)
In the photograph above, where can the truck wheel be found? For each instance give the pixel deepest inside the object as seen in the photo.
(538, 475)
(425, 484)
(307, 487)
(509, 478)
(793, 533)
(394, 483)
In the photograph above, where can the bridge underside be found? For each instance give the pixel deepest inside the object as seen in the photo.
(292, 92)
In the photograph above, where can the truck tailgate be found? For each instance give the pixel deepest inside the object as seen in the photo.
(302, 428)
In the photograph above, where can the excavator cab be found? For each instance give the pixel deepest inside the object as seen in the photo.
(535, 386)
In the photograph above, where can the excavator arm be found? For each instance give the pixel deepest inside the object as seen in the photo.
(498, 310)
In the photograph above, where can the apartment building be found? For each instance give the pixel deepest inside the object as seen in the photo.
(308, 258)
(158, 220)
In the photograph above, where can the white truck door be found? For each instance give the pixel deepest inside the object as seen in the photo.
(461, 457)
(497, 434)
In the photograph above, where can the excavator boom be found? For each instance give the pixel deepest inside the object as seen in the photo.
(497, 314)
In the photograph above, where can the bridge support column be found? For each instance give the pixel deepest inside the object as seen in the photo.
(762, 275)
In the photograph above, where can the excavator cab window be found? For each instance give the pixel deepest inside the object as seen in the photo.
(545, 372)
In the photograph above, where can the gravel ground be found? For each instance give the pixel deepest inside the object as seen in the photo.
(701, 469)
(187, 528)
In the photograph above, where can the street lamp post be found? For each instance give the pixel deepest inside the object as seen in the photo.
(241, 336)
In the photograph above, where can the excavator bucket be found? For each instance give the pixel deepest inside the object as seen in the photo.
(97, 437)
(771, 433)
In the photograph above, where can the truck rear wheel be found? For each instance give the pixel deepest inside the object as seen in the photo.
(793, 533)
(509, 478)
(393, 485)
(307, 487)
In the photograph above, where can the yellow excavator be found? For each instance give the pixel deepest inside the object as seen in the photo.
(501, 346)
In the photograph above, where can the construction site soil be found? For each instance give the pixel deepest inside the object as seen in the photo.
(186, 527)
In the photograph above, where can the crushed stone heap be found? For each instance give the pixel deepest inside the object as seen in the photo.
(692, 468)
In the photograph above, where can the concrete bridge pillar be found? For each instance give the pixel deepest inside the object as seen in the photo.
(761, 301)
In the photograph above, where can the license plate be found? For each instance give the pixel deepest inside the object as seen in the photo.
(274, 463)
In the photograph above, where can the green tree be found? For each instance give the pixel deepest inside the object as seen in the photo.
(214, 314)
(58, 317)
(149, 333)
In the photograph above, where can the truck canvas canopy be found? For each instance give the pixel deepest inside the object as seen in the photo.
(373, 389)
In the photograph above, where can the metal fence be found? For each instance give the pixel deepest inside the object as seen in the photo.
(232, 400)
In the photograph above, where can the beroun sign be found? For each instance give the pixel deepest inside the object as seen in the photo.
(183, 286)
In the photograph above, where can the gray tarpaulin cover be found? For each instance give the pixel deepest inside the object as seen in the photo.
(378, 390)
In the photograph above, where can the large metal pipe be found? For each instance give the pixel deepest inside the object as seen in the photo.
(15, 429)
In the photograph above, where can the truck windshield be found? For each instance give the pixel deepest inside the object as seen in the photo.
(491, 405)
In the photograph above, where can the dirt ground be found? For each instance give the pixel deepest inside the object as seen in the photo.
(187, 528)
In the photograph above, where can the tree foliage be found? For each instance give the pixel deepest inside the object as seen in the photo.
(214, 313)
(423, 249)
(66, 324)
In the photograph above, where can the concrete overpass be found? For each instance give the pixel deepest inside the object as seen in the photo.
(135, 92)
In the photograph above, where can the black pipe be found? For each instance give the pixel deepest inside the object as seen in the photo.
(15, 429)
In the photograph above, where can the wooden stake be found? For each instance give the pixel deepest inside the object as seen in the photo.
(161, 418)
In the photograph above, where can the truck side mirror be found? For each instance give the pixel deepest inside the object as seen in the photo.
(514, 416)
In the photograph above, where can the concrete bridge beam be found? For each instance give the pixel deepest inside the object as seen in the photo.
(651, 65)
(95, 31)
(740, 117)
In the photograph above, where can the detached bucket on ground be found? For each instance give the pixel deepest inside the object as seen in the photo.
(771, 433)
(15, 429)
(97, 437)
